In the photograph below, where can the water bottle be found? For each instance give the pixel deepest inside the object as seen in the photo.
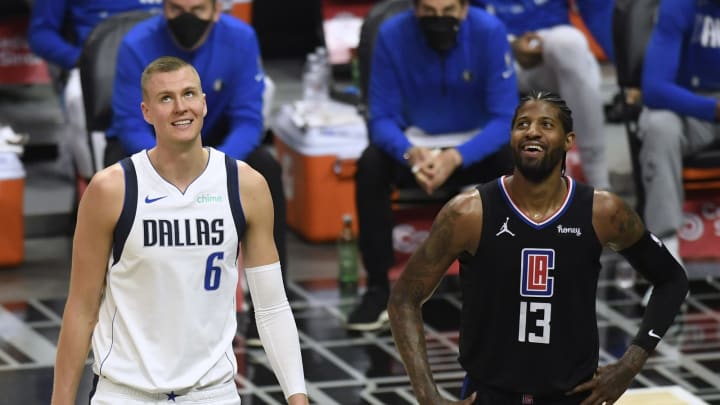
(316, 76)
(311, 79)
(347, 258)
(323, 60)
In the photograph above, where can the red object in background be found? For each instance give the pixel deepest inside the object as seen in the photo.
(18, 65)
(12, 232)
(308, 182)
(358, 8)
(700, 235)
(573, 166)
(698, 331)
(412, 226)
(242, 9)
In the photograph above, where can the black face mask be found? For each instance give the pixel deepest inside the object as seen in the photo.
(440, 32)
(187, 29)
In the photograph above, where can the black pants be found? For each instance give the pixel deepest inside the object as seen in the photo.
(259, 159)
(376, 177)
(491, 396)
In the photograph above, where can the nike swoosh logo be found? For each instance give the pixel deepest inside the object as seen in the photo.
(149, 200)
(652, 333)
(507, 74)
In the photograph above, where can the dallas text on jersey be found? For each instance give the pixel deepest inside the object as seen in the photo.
(188, 232)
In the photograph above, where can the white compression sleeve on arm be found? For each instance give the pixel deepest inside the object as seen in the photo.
(276, 326)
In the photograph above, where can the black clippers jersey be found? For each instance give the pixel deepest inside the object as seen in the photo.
(529, 321)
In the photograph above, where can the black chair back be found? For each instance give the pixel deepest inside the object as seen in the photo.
(288, 29)
(633, 21)
(377, 14)
(97, 66)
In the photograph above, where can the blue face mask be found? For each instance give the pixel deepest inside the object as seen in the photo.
(440, 32)
(187, 29)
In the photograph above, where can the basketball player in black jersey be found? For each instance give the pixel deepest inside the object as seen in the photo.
(529, 246)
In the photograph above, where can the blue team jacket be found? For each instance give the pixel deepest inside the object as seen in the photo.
(51, 17)
(473, 86)
(683, 58)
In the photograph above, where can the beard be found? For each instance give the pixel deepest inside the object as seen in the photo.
(536, 171)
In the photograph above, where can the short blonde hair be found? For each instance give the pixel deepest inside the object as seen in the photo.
(163, 64)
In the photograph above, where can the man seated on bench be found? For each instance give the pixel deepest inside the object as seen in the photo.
(681, 92)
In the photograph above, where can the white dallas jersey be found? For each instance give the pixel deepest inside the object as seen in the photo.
(167, 317)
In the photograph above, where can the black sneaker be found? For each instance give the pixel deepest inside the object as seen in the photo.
(371, 314)
(252, 337)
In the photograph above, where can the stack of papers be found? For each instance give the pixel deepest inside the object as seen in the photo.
(331, 129)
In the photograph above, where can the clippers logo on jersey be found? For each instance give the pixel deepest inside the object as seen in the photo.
(535, 279)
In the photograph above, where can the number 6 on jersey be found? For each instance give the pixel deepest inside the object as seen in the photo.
(212, 272)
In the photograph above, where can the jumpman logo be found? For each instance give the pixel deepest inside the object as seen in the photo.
(504, 228)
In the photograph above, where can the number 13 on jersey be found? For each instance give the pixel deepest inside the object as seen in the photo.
(535, 281)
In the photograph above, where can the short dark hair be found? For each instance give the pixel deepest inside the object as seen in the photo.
(564, 112)
(163, 64)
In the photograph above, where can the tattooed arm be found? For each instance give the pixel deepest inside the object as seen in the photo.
(616, 224)
(455, 230)
(619, 227)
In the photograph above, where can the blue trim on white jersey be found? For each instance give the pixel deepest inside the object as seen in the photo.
(234, 196)
(127, 215)
(112, 343)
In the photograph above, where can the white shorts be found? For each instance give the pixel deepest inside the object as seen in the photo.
(109, 393)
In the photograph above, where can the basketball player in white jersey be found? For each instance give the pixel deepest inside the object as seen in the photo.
(154, 266)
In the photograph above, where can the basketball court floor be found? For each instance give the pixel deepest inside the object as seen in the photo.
(341, 368)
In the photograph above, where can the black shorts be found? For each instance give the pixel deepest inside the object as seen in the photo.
(492, 396)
